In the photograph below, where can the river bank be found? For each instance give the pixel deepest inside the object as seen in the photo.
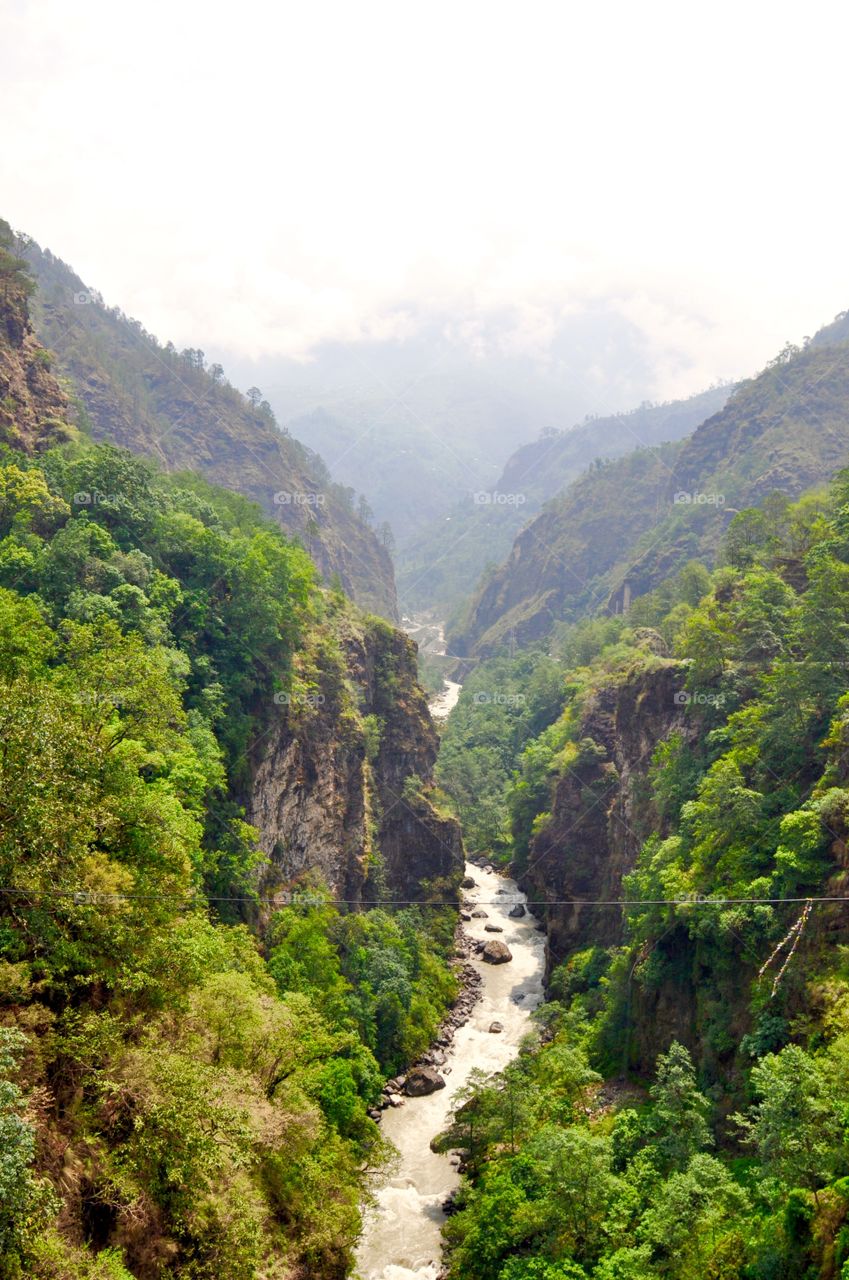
(402, 1235)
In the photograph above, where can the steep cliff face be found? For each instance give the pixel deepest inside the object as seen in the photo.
(167, 405)
(340, 779)
(34, 410)
(602, 811)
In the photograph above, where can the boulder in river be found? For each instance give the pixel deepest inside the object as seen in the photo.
(480, 915)
(496, 952)
(493, 928)
(517, 912)
(466, 916)
(495, 1027)
(422, 1081)
(468, 882)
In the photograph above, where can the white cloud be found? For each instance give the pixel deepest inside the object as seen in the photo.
(259, 179)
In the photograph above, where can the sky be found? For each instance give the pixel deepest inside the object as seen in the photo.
(260, 178)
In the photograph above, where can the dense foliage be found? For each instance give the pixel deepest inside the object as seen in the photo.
(734, 1160)
(173, 1101)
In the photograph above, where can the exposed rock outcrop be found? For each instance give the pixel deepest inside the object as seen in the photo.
(340, 779)
(600, 813)
(34, 410)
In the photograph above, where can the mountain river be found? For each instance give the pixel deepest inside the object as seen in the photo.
(401, 1240)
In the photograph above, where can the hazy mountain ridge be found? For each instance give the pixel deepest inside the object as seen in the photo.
(448, 400)
(786, 430)
(167, 405)
(437, 568)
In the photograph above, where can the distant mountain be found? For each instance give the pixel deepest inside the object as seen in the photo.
(624, 527)
(168, 405)
(419, 421)
(435, 569)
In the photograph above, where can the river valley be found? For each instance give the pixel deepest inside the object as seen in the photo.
(401, 1240)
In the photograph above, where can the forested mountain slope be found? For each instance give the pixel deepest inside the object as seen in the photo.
(564, 562)
(209, 761)
(783, 431)
(167, 405)
(680, 816)
(436, 568)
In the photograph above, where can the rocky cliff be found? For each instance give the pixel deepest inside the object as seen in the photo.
(34, 410)
(602, 811)
(341, 778)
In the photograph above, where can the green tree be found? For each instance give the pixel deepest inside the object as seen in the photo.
(678, 1123)
(796, 1122)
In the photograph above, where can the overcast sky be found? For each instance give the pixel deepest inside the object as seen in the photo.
(258, 177)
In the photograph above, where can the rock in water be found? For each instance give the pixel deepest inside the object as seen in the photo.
(497, 953)
(495, 1027)
(517, 912)
(480, 915)
(493, 928)
(468, 882)
(422, 1081)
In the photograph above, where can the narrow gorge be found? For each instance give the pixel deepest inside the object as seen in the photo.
(501, 939)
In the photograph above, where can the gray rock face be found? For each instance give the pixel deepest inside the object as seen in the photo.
(310, 786)
(422, 1081)
(496, 952)
(517, 912)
